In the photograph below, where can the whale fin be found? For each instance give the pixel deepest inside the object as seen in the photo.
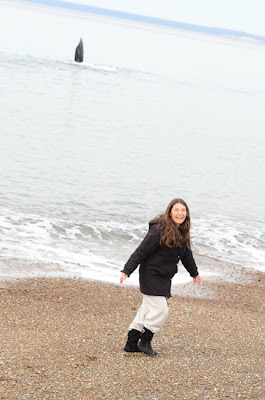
(79, 52)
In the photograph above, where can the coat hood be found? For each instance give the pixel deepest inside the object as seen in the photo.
(155, 222)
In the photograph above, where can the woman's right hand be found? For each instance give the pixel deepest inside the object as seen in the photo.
(123, 277)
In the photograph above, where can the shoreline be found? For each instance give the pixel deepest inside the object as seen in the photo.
(211, 271)
(231, 274)
(63, 339)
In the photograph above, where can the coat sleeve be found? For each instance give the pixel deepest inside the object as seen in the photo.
(189, 262)
(150, 243)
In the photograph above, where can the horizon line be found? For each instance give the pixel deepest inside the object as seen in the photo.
(146, 19)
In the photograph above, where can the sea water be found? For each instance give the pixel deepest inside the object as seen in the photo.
(91, 152)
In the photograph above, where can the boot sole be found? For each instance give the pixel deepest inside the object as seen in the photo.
(132, 351)
(148, 354)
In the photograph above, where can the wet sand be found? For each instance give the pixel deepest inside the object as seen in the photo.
(64, 338)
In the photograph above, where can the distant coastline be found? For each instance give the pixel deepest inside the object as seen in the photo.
(148, 20)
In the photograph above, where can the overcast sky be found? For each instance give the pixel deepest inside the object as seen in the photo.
(242, 15)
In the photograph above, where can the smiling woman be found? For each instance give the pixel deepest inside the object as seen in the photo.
(167, 242)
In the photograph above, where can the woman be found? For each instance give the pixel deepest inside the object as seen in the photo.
(167, 242)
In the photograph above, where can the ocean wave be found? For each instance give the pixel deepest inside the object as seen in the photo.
(100, 248)
(234, 241)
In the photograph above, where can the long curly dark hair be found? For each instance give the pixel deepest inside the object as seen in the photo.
(173, 235)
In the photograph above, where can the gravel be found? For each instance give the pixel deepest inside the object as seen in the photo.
(64, 339)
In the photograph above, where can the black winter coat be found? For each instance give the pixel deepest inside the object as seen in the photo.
(158, 263)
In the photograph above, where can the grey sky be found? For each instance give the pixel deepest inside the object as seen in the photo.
(241, 15)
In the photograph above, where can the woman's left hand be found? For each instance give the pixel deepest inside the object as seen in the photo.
(197, 280)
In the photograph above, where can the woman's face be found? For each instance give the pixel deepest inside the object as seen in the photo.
(178, 213)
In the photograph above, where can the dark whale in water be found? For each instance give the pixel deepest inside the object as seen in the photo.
(79, 52)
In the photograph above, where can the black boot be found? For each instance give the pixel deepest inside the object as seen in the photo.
(131, 344)
(145, 344)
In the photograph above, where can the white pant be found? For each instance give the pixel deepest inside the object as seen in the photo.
(152, 314)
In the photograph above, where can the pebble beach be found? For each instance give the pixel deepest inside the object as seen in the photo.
(64, 338)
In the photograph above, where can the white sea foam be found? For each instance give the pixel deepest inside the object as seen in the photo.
(99, 250)
(230, 240)
(106, 68)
